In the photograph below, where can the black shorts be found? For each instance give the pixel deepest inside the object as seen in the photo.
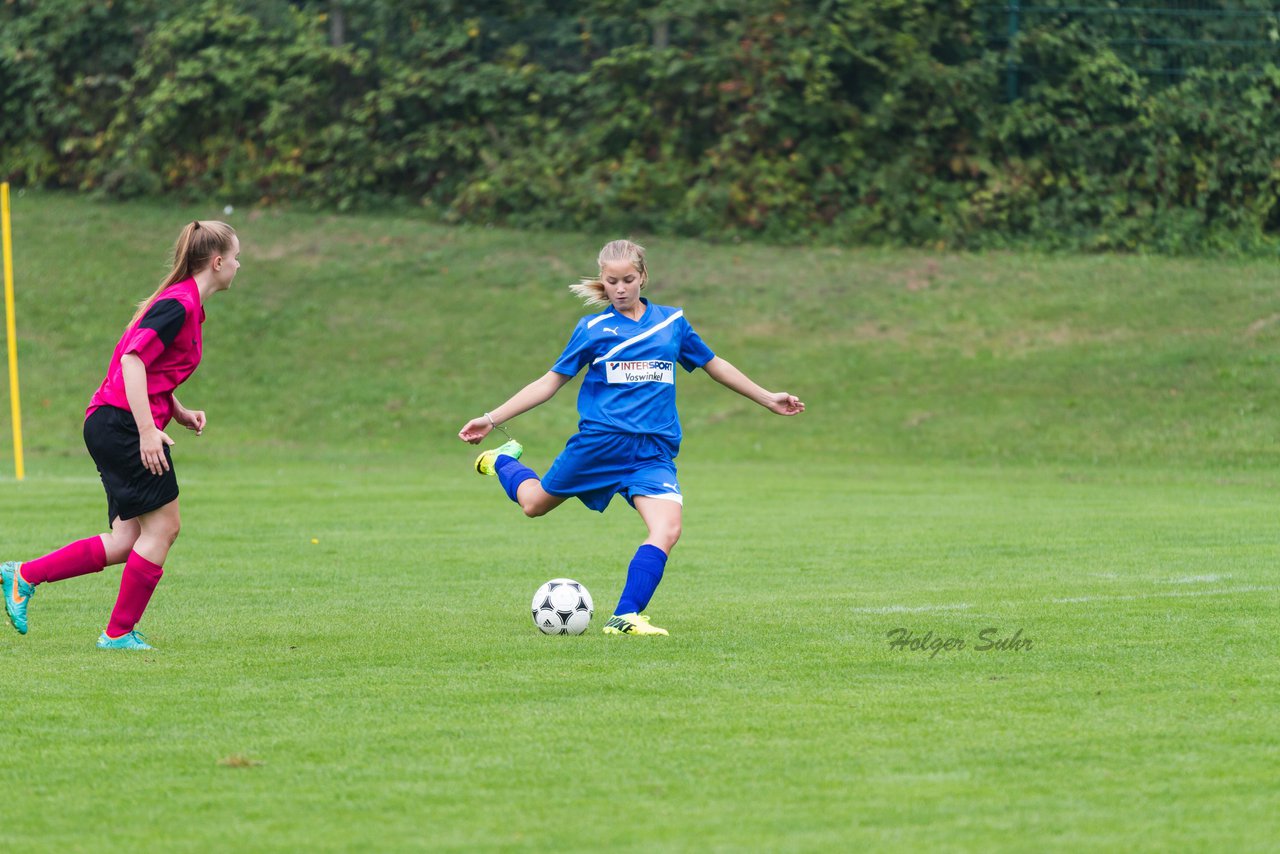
(111, 435)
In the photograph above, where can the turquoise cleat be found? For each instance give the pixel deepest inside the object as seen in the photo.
(16, 595)
(485, 462)
(132, 640)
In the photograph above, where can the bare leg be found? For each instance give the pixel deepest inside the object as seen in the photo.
(143, 569)
(664, 519)
(118, 542)
(536, 501)
(83, 557)
(158, 532)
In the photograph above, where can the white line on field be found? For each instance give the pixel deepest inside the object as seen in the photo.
(910, 609)
(964, 606)
(1169, 594)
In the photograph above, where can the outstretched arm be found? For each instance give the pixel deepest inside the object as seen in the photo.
(730, 377)
(539, 391)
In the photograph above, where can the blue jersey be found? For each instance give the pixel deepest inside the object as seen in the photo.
(630, 384)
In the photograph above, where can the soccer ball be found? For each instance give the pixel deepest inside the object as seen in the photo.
(562, 606)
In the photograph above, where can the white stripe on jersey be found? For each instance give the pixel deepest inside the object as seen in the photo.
(669, 496)
(643, 335)
(594, 321)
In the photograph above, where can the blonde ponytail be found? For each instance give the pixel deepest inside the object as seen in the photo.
(197, 245)
(591, 290)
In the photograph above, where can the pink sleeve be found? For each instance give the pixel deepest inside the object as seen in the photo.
(156, 330)
(146, 343)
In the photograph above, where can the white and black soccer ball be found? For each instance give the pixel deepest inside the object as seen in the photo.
(562, 606)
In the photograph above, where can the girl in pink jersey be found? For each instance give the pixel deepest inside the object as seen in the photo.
(124, 432)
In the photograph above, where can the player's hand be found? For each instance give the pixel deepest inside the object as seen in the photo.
(151, 446)
(474, 431)
(784, 404)
(192, 419)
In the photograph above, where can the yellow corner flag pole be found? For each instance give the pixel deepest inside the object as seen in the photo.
(11, 330)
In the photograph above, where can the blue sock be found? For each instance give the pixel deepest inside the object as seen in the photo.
(643, 576)
(511, 473)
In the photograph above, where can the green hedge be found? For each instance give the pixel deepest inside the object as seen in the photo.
(880, 121)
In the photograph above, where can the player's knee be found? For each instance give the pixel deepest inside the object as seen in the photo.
(667, 535)
(536, 502)
(169, 530)
(118, 545)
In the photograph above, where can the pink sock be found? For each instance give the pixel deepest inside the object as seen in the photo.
(137, 583)
(79, 558)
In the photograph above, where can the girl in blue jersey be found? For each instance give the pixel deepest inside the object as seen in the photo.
(628, 430)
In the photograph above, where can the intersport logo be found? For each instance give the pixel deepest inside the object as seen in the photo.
(641, 371)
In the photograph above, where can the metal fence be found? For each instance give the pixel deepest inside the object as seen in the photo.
(1163, 43)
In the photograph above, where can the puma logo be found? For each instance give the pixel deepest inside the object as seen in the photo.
(612, 329)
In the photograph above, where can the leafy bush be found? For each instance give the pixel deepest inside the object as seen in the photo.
(880, 121)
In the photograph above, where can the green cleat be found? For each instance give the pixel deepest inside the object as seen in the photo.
(631, 624)
(131, 640)
(510, 448)
(16, 595)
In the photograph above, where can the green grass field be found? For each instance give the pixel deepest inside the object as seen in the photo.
(1076, 451)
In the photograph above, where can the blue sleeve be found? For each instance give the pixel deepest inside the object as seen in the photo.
(576, 353)
(693, 353)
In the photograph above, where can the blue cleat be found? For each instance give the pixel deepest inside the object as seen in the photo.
(16, 595)
(132, 640)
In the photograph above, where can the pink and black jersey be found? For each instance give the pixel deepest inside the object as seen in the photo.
(167, 338)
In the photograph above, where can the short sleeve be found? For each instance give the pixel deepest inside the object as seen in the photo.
(693, 353)
(157, 329)
(576, 353)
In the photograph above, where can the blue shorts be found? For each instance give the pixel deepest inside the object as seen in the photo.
(596, 466)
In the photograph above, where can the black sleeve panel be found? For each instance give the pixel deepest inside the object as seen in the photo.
(166, 317)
